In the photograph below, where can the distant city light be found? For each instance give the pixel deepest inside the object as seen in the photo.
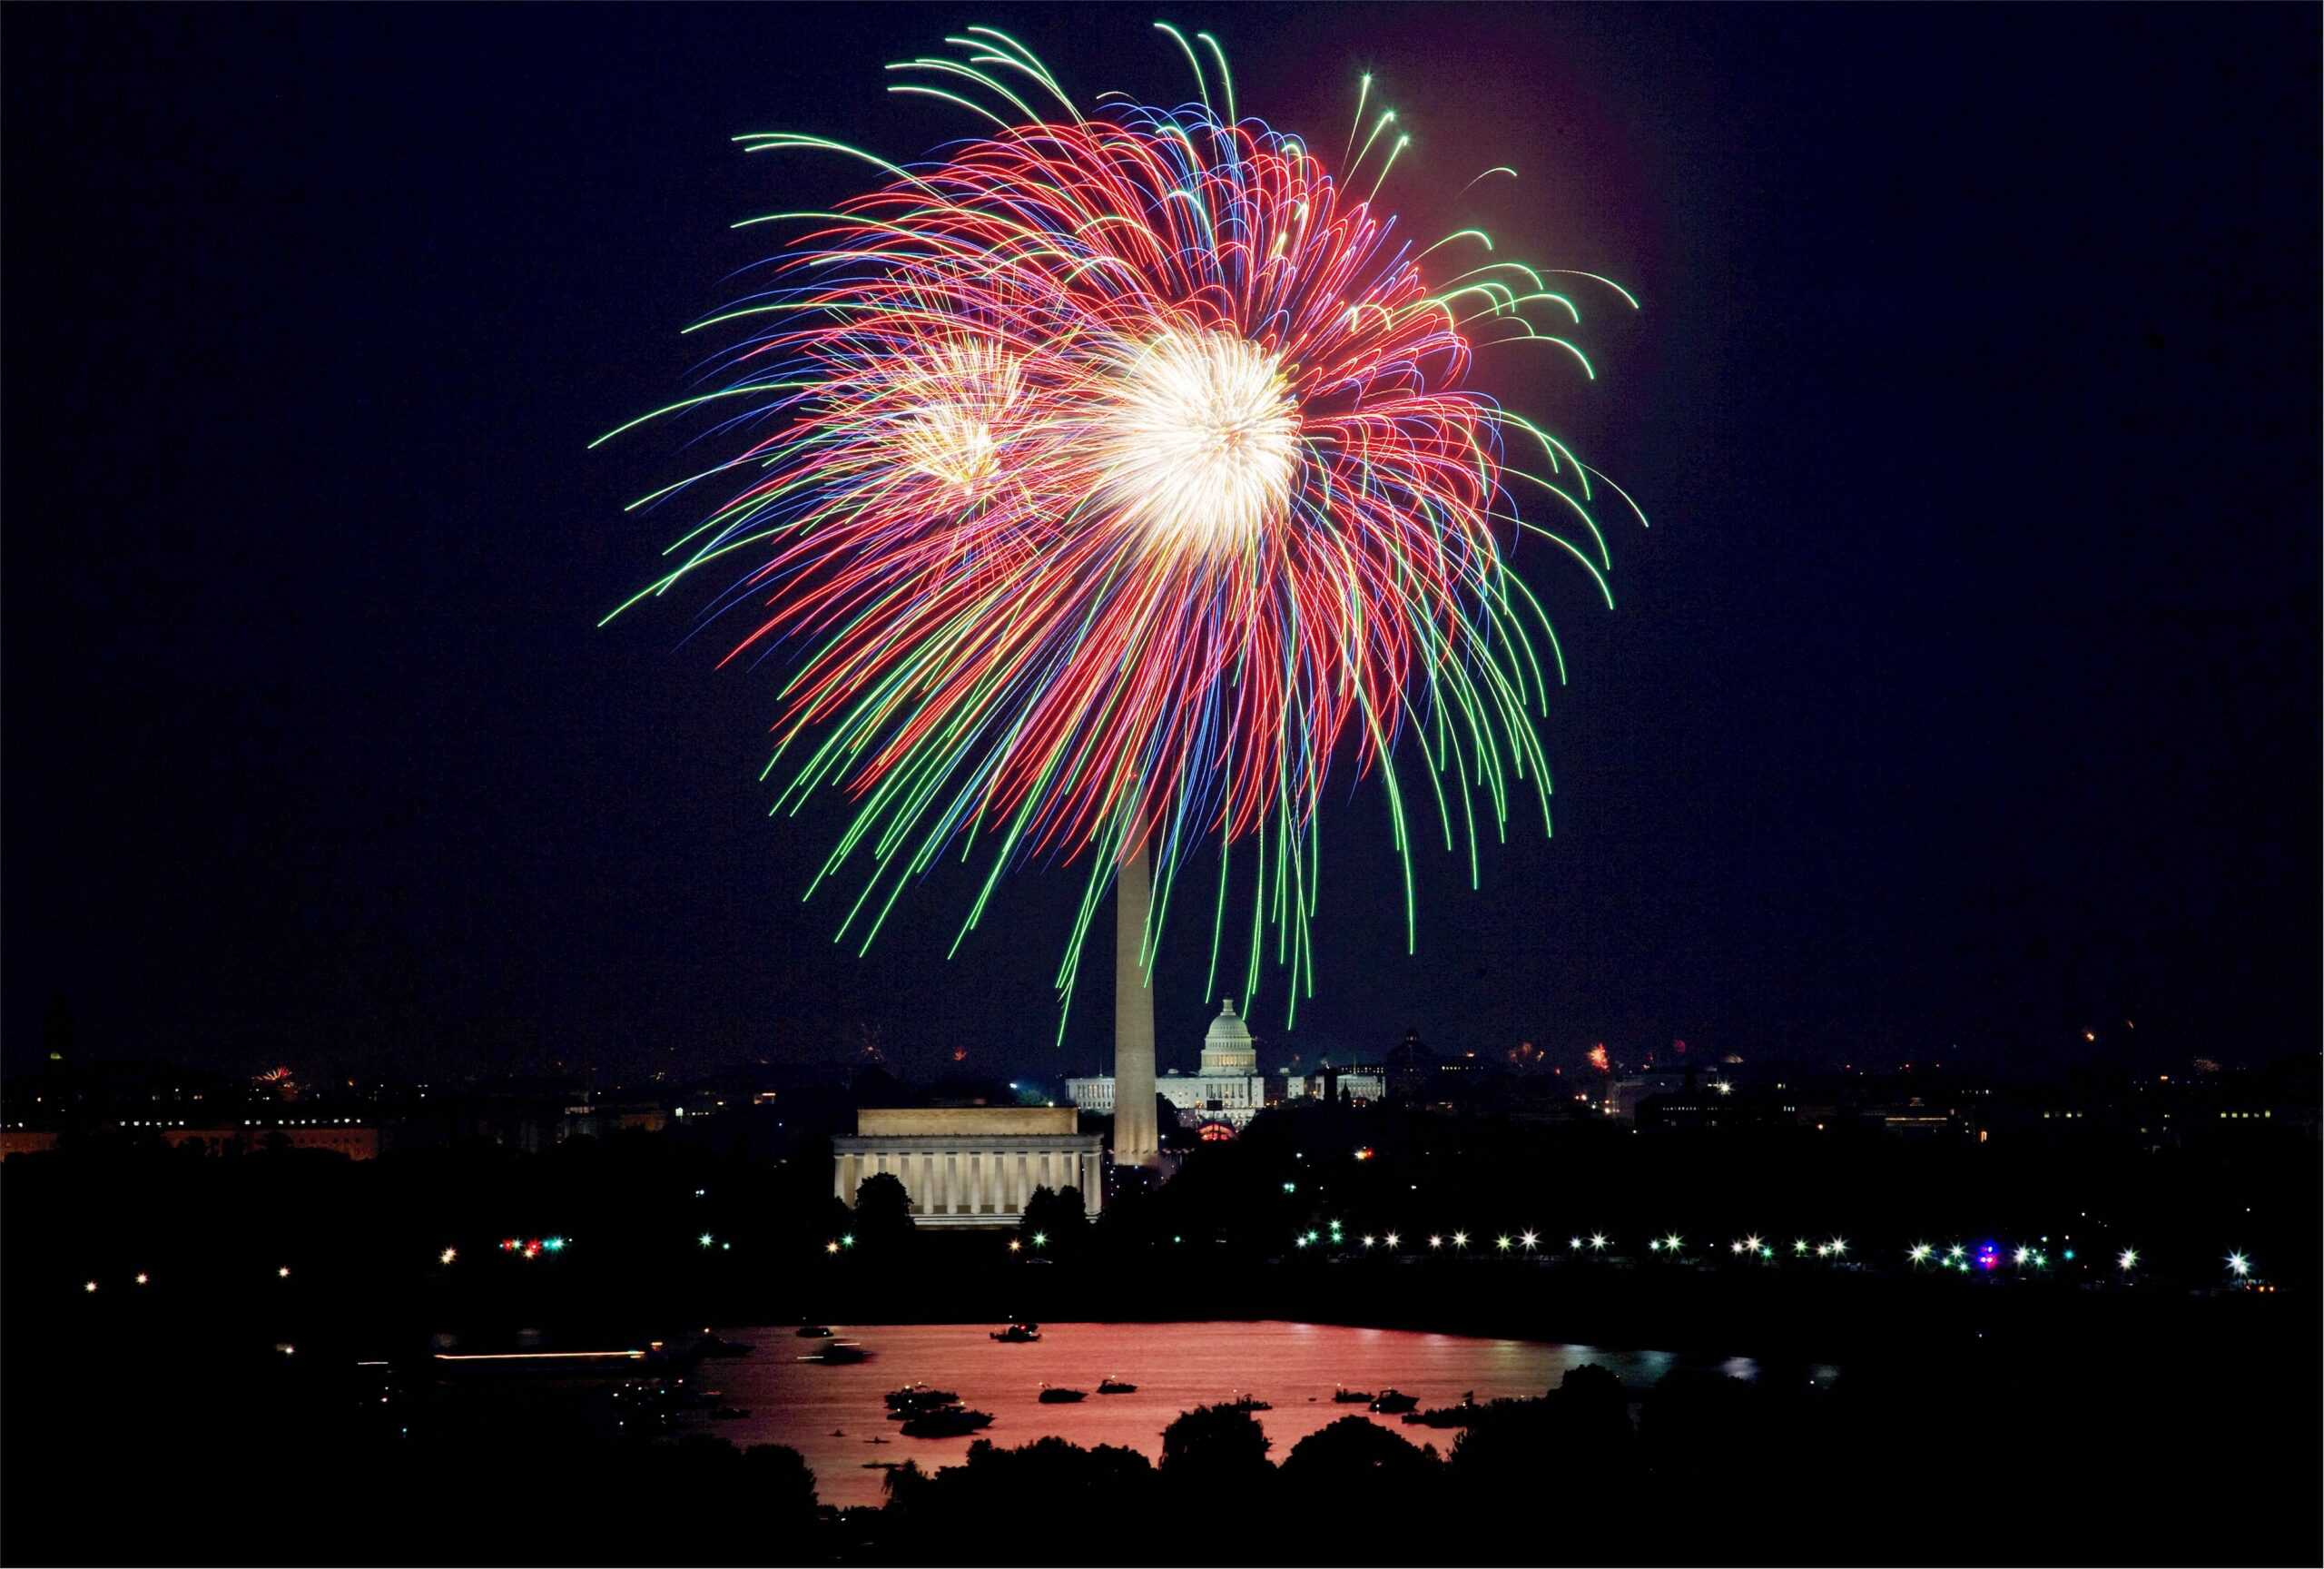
(1502, 1242)
(2237, 1264)
(1530, 1238)
(1459, 1238)
(88, 1286)
(1654, 1245)
(1839, 1247)
(847, 1239)
(1436, 1242)
(140, 1275)
(1723, 1086)
(2130, 1258)
(833, 1246)
(1822, 1249)
(1040, 1238)
(1920, 1252)
(1955, 1251)
(1671, 1242)
(554, 1245)
(447, 1255)
(1291, 1187)
(1367, 1240)
(1390, 1238)
(705, 1239)
(2022, 1256)
(1300, 1241)
(1598, 1241)
(1751, 1245)
(283, 1273)
(1799, 1246)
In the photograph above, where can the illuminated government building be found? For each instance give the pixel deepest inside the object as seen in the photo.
(1225, 1093)
(970, 1165)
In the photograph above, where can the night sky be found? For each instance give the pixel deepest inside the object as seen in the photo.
(1964, 695)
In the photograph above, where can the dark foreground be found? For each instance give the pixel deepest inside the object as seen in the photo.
(152, 1428)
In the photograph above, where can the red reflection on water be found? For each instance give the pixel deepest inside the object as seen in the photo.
(830, 1414)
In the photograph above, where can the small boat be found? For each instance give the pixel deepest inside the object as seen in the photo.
(1115, 1387)
(1246, 1403)
(1344, 1396)
(1050, 1396)
(883, 1464)
(916, 1395)
(1391, 1403)
(952, 1422)
(838, 1351)
(1019, 1334)
(813, 1332)
(875, 1440)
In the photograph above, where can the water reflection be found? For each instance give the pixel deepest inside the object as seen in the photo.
(834, 1414)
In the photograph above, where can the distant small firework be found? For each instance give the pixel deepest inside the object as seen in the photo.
(1600, 1060)
(1110, 472)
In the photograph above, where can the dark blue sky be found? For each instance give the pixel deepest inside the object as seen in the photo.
(1966, 689)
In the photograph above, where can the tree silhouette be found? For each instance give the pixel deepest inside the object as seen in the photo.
(883, 1211)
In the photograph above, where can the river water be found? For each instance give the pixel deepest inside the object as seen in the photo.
(831, 1413)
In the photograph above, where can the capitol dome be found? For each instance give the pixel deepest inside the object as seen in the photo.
(1228, 1047)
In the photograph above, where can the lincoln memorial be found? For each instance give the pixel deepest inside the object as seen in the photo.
(970, 1165)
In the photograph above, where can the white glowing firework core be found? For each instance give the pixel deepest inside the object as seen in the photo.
(1201, 440)
(952, 406)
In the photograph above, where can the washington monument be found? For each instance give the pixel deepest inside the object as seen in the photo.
(1137, 1141)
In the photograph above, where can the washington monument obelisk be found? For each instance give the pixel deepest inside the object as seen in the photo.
(1136, 1141)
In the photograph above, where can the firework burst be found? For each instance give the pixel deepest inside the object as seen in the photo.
(1113, 475)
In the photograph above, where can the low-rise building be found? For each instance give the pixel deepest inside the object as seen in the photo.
(970, 1165)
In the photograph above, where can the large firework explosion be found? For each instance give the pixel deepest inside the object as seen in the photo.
(1113, 473)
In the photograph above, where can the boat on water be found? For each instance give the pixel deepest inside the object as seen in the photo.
(1247, 1403)
(713, 1345)
(1344, 1396)
(1054, 1396)
(1115, 1387)
(813, 1331)
(1394, 1403)
(950, 1422)
(838, 1351)
(1019, 1334)
(912, 1395)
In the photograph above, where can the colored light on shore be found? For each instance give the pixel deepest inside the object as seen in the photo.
(1800, 1247)
(847, 1239)
(2128, 1258)
(555, 1244)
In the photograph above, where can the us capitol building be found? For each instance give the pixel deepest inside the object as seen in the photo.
(1227, 1091)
